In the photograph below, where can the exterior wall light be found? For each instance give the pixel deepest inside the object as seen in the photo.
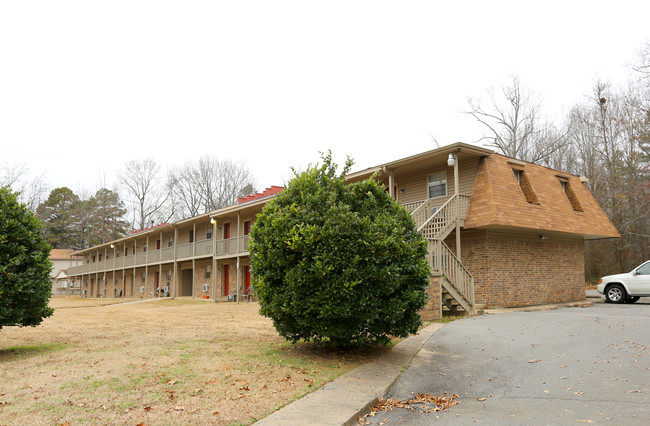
(451, 160)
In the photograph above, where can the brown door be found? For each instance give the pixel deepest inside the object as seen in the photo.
(226, 279)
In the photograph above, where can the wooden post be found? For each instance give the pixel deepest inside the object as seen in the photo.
(193, 268)
(175, 293)
(456, 192)
(214, 261)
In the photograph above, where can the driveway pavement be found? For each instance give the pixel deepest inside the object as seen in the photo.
(565, 366)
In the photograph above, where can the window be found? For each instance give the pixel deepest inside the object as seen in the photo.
(571, 196)
(144, 277)
(208, 233)
(100, 257)
(643, 269)
(144, 248)
(94, 258)
(117, 253)
(437, 185)
(170, 242)
(108, 256)
(208, 271)
(525, 186)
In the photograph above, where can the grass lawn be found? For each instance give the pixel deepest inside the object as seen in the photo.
(162, 362)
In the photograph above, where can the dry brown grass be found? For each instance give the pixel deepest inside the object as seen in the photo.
(162, 362)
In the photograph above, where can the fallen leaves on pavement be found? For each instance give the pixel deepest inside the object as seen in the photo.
(432, 404)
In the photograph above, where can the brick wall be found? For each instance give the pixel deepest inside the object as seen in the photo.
(510, 271)
(433, 309)
(200, 280)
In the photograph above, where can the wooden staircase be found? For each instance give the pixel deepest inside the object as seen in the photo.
(435, 224)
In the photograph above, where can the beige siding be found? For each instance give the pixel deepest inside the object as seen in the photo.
(415, 184)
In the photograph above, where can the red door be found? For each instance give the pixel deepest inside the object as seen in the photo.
(247, 280)
(226, 279)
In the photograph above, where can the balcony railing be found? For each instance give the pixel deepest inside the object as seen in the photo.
(184, 250)
(167, 254)
(203, 247)
(232, 246)
(141, 258)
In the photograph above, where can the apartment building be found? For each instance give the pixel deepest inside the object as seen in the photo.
(500, 231)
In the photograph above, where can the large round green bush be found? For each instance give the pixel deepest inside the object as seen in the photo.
(338, 263)
(25, 285)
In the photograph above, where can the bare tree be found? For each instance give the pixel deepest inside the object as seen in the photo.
(32, 192)
(608, 133)
(183, 186)
(11, 174)
(642, 66)
(514, 125)
(141, 180)
(209, 183)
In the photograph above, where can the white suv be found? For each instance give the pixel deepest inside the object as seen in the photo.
(627, 287)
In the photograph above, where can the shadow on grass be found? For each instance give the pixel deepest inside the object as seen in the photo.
(20, 352)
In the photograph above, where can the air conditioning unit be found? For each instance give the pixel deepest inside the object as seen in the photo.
(142, 289)
(166, 289)
(206, 287)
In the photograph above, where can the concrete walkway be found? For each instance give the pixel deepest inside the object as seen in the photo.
(342, 401)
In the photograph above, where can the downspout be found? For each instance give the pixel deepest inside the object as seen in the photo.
(391, 182)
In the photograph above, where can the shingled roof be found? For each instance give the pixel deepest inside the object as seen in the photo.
(541, 202)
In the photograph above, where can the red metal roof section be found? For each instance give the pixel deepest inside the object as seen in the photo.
(266, 193)
(148, 229)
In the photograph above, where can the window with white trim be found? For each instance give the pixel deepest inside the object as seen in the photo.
(437, 185)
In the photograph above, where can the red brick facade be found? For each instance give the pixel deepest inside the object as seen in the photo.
(517, 271)
(433, 309)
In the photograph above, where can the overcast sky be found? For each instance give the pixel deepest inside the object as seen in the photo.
(86, 86)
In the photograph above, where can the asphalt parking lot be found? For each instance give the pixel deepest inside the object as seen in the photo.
(570, 365)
